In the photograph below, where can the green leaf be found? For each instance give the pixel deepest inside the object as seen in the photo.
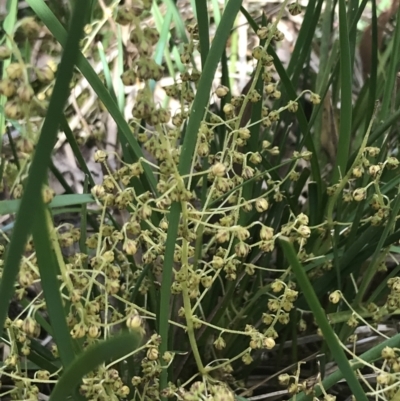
(320, 317)
(346, 76)
(50, 284)
(115, 348)
(31, 199)
(12, 206)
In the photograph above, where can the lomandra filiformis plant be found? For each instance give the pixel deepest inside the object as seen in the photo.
(210, 238)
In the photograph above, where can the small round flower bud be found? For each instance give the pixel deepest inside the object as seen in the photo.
(262, 32)
(374, 169)
(134, 321)
(388, 353)
(293, 106)
(294, 9)
(218, 169)
(98, 191)
(277, 286)
(129, 77)
(284, 379)
(5, 52)
(229, 109)
(372, 151)
(242, 249)
(242, 233)
(359, 194)
(268, 343)
(261, 205)
(124, 391)
(258, 52)
(266, 233)
(244, 133)
(130, 247)
(302, 219)
(136, 380)
(30, 327)
(100, 156)
(222, 236)
(315, 99)
(304, 231)
(265, 144)
(384, 379)
(45, 75)
(358, 171)
(167, 357)
(392, 163)
(335, 297)
(13, 110)
(7, 87)
(93, 331)
(14, 71)
(221, 91)
(217, 262)
(219, 343)
(152, 353)
(47, 194)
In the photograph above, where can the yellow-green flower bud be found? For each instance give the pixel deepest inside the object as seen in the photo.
(152, 353)
(359, 194)
(294, 9)
(25, 93)
(45, 74)
(221, 91)
(7, 87)
(5, 52)
(219, 343)
(14, 71)
(134, 321)
(261, 205)
(335, 296)
(262, 32)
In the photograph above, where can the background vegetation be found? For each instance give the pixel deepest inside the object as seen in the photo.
(166, 234)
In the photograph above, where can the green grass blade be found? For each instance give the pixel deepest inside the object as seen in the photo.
(369, 356)
(115, 347)
(320, 317)
(393, 68)
(75, 149)
(84, 221)
(346, 74)
(204, 33)
(12, 206)
(165, 297)
(32, 196)
(48, 273)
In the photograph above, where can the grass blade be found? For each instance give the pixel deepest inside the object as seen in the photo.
(32, 197)
(346, 72)
(115, 347)
(332, 379)
(48, 274)
(12, 206)
(322, 321)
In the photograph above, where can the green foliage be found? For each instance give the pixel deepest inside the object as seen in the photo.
(209, 238)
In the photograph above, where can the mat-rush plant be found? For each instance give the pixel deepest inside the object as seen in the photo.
(203, 248)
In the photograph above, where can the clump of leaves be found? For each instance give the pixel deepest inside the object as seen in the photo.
(202, 247)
